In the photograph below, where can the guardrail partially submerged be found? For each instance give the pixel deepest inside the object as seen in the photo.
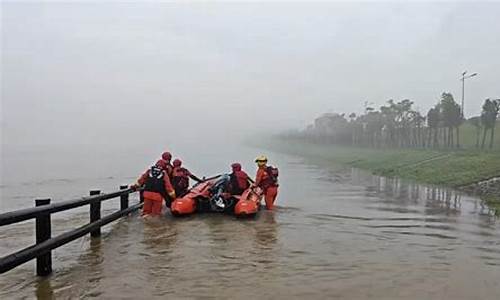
(42, 214)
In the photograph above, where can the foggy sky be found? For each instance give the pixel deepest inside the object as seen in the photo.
(94, 73)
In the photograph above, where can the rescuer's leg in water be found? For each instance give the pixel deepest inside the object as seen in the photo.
(270, 196)
(156, 208)
(267, 180)
(147, 208)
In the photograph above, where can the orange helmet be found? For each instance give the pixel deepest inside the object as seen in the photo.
(177, 162)
(161, 164)
(236, 167)
(166, 156)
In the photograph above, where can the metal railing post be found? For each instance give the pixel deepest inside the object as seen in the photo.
(45, 243)
(95, 213)
(123, 198)
(43, 233)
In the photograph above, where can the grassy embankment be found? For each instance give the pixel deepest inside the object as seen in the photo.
(451, 168)
(454, 168)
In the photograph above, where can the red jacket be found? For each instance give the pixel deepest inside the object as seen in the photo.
(238, 182)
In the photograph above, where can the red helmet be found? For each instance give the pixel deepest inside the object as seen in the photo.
(177, 162)
(166, 156)
(161, 164)
(236, 167)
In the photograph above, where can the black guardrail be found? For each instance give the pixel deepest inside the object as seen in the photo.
(42, 214)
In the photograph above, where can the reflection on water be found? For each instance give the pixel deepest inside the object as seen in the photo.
(44, 289)
(337, 233)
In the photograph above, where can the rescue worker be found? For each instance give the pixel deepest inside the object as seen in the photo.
(267, 180)
(239, 180)
(167, 157)
(180, 178)
(157, 187)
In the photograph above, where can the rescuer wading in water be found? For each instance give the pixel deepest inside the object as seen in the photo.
(267, 180)
(157, 188)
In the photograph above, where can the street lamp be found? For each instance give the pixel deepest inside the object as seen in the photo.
(463, 88)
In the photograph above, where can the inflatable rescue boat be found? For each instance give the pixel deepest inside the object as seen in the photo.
(210, 196)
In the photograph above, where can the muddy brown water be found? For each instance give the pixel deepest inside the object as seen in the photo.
(337, 233)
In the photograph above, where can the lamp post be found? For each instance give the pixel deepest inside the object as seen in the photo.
(463, 88)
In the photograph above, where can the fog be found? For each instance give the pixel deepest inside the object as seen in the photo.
(155, 74)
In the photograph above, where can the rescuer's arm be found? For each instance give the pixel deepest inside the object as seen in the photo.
(169, 170)
(195, 178)
(258, 177)
(168, 187)
(141, 180)
(192, 176)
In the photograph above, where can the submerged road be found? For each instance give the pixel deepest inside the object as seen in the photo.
(337, 233)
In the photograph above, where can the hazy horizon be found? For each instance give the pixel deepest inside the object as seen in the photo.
(100, 73)
(383, 207)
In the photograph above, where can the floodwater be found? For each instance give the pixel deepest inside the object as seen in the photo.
(337, 233)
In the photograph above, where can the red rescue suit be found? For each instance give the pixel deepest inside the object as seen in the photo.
(180, 180)
(238, 182)
(167, 157)
(268, 184)
(157, 187)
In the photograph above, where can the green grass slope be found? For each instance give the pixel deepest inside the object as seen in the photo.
(452, 168)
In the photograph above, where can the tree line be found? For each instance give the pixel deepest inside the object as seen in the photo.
(399, 124)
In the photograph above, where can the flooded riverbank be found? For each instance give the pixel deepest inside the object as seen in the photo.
(93, 92)
(337, 232)
(456, 168)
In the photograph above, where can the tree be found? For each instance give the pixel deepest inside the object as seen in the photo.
(433, 124)
(489, 118)
(476, 122)
(417, 122)
(352, 123)
(388, 119)
(452, 117)
(398, 124)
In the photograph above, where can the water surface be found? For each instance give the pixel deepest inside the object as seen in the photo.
(337, 233)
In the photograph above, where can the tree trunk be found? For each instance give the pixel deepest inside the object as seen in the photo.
(436, 140)
(458, 136)
(478, 133)
(450, 132)
(429, 138)
(418, 137)
(492, 136)
(421, 138)
(445, 138)
(448, 139)
(484, 137)
(443, 133)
